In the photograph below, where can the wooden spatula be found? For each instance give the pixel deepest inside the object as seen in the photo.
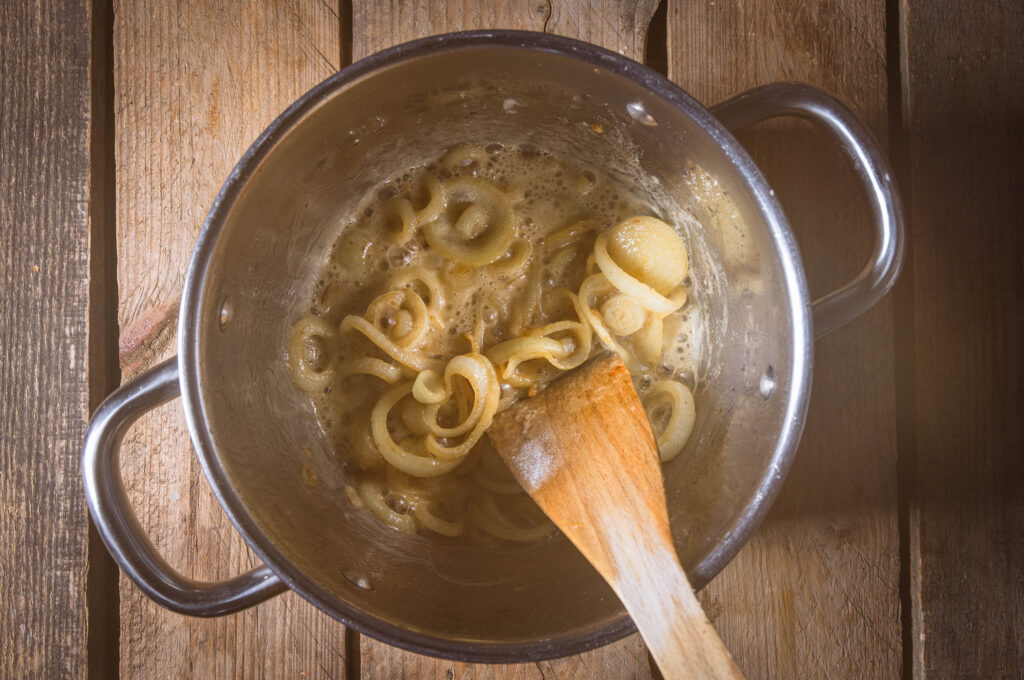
(584, 450)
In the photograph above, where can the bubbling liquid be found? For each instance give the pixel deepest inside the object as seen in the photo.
(465, 284)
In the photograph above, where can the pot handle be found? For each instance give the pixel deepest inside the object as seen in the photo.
(795, 99)
(118, 525)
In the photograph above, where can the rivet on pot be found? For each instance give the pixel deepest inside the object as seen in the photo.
(640, 115)
(227, 311)
(767, 385)
(358, 579)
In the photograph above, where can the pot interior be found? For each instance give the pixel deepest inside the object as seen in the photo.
(280, 214)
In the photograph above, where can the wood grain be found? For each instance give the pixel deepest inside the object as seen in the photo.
(195, 83)
(964, 113)
(619, 25)
(815, 592)
(44, 261)
(626, 659)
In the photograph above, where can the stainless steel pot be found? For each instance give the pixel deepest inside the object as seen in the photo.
(252, 273)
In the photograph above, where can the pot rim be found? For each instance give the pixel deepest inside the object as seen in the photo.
(195, 281)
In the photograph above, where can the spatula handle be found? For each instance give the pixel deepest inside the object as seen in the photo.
(661, 602)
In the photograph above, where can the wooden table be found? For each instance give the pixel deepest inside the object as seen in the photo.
(896, 546)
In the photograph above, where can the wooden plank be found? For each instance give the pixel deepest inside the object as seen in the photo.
(625, 660)
(619, 26)
(195, 84)
(44, 391)
(963, 107)
(815, 592)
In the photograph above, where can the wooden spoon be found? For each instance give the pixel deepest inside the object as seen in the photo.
(584, 450)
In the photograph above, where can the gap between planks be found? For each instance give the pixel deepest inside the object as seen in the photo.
(101, 591)
(906, 369)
